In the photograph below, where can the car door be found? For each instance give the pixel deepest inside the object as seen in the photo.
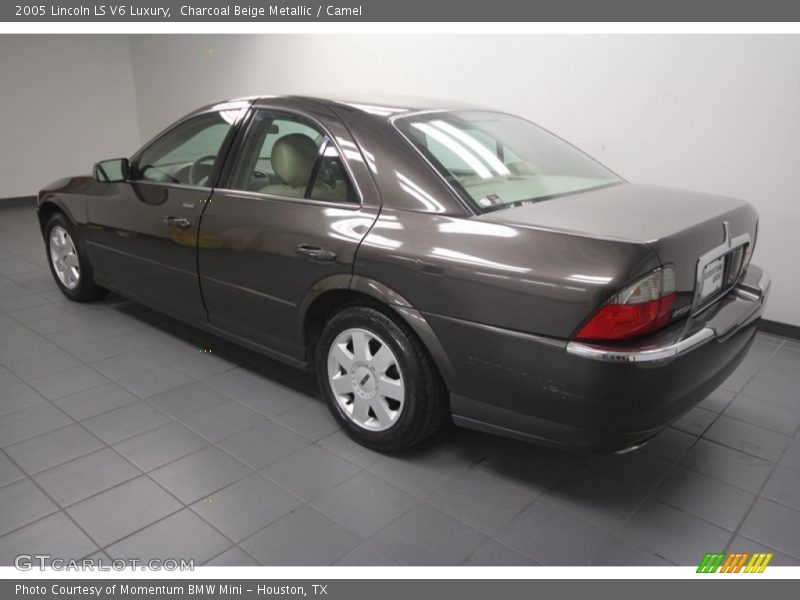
(143, 233)
(285, 223)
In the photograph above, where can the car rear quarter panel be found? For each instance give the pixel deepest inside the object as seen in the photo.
(518, 278)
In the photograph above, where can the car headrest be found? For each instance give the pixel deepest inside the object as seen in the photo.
(293, 157)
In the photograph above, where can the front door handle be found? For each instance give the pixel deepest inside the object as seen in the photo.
(181, 222)
(316, 252)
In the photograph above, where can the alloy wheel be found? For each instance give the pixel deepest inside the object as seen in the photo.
(366, 379)
(64, 257)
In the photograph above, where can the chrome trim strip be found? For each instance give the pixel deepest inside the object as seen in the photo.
(747, 294)
(171, 185)
(758, 291)
(246, 194)
(640, 356)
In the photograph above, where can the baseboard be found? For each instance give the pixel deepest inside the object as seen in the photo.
(778, 328)
(17, 201)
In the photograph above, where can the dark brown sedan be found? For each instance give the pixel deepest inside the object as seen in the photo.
(429, 262)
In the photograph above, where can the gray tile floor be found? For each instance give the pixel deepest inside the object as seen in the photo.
(120, 438)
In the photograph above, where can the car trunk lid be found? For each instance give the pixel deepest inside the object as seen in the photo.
(692, 231)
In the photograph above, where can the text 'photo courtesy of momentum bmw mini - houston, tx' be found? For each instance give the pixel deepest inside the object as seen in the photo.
(429, 261)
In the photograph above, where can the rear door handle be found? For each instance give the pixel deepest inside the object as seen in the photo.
(181, 222)
(315, 252)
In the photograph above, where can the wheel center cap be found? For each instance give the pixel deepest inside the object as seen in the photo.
(364, 380)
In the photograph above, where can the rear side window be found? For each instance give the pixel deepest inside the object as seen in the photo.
(284, 155)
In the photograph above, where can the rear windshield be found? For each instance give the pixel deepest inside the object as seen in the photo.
(497, 160)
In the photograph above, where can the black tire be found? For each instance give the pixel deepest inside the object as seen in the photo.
(86, 290)
(425, 407)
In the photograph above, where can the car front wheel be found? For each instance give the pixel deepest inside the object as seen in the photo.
(68, 263)
(378, 380)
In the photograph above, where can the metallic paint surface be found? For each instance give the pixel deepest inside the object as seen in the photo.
(495, 297)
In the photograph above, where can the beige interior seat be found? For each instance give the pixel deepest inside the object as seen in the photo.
(292, 158)
(335, 191)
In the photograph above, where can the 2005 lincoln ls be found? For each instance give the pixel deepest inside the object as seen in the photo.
(429, 262)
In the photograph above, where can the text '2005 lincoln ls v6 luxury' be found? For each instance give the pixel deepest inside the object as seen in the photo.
(429, 262)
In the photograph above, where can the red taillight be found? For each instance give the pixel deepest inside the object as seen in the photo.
(638, 309)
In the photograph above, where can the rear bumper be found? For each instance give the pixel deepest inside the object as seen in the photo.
(597, 397)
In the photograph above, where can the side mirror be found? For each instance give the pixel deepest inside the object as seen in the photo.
(111, 171)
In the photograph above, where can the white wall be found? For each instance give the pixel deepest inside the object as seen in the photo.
(714, 113)
(65, 102)
(719, 114)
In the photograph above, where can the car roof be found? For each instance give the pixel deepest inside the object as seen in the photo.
(380, 106)
(391, 106)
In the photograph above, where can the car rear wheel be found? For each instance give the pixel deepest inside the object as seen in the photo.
(378, 380)
(68, 263)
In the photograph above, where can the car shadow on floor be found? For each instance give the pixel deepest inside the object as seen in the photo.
(467, 445)
(259, 364)
(666, 503)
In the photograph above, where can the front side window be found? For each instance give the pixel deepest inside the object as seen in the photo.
(186, 154)
(284, 155)
(497, 160)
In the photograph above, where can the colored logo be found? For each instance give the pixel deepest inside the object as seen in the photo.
(736, 562)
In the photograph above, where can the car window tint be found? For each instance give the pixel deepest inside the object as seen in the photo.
(331, 182)
(494, 160)
(281, 128)
(186, 154)
(447, 157)
(280, 155)
(451, 161)
(505, 153)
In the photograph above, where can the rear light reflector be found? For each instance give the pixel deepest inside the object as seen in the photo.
(638, 309)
